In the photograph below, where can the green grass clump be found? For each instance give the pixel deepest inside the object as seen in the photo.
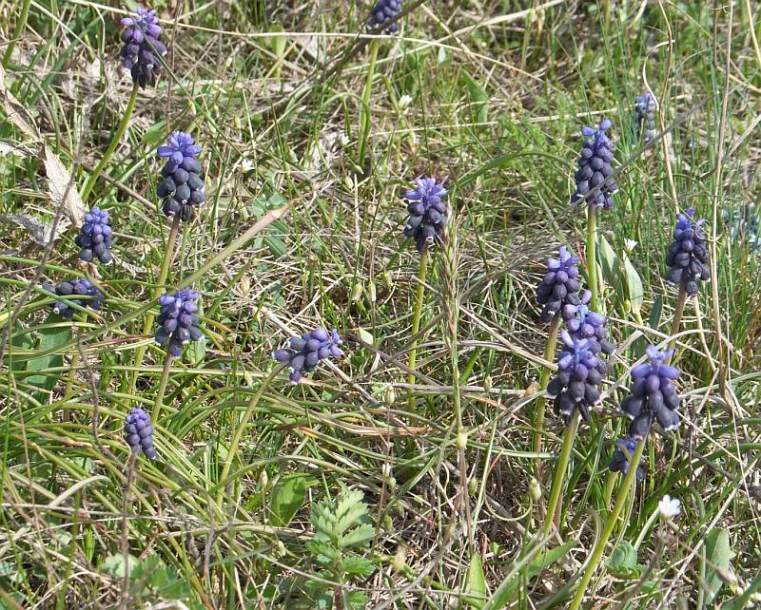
(371, 484)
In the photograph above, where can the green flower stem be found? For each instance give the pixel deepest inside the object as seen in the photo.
(118, 134)
(20, 25)
(681, 300)
(150, 316)
(597, 553)
(560, 468)
(241, 426)
(162, 387)
(421, 275)
(364, 114)
(544, 378)
(646, 529)
(592, 257)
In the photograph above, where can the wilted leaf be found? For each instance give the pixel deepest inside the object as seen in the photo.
(40, 232)
(15, 111)
(62, 188)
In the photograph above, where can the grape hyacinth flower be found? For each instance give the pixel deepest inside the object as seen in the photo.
(560, 285)
(428, 213)
(625, 448)
(653, 395)
(94, 237)
(644, 114)
(142, 46)
(382, 12)
(178, 322)
(688, 254)
(138, 433)
(579, 375)
(181, 186)
(595, 183)
(305, 352)
(583, 323)
(74, 288)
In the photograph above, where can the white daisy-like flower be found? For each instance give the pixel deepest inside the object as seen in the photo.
(669, 507)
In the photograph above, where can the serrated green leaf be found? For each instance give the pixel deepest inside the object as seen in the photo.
(719, 554)
(476, 592)
(357, 566)
(288, 496)
(634, 289)
(357, 536)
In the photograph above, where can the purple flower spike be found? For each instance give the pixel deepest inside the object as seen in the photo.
(584, 323)
(653, 395)
(181, 186)
(304, 353)
(687, 256)
(595, 184)
(625, 448)
(579, 375)
(560, 286)
(645, 106)
(383, 11)
(428, 213)
(138, 433)
(178, 322)
(75, 288)
(94, 237)
(142, 46)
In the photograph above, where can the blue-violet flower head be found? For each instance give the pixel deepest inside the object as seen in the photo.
(687, 256)
(71, 289)
(595, 184)
(181, 186)
(142, 46)
(304, 353)
(383, 11)
(177, 321)
(622, 455)
(138, 433)
(560, 285)
(94, 238)
(428, 213)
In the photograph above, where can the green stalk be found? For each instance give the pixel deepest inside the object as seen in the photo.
(364, 114)
(20, 25)
(544, 378)
(623, 492)
(592, 257)
(678, 311)
(235, 441)
(150, 316)
(162, 387)
(421, 275)
(118, 134)
(557, 480)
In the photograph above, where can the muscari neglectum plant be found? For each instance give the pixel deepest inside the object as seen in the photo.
(653, 398)
(80, 292)
(181, 186)
(383, 11)
(138, 433)
(595, 187)
(687, 260)
(426, 225)
(304, 353)
(645, 106)
(140, 54)
(94, 238)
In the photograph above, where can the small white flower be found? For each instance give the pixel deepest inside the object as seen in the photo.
(669, 507)
(630, 244)
(405, 101)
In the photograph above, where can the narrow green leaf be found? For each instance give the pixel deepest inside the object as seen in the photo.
(719, 554)
(634, 289)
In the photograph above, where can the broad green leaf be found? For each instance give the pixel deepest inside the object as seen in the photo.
(288, 496)
(655, 313)
(623, 561)
(52, 335)
(115, 564)
(611, 266)
(478, 97)
(196, 351)
(476, 587)
(719, 554)
(634, 289)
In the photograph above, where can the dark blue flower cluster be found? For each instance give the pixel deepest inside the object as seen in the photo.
(653, 395)
(577, 380)
(625, 448)
(644, 114)
(142, 46)
(583, 323)
(688, 254)
(138, 433)
(428, 213)
(382, 12)
(94, 237)
(181, 186)
(560, 285)
(305, 352)
(178, 322)
(595, 184)
(75, 288)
